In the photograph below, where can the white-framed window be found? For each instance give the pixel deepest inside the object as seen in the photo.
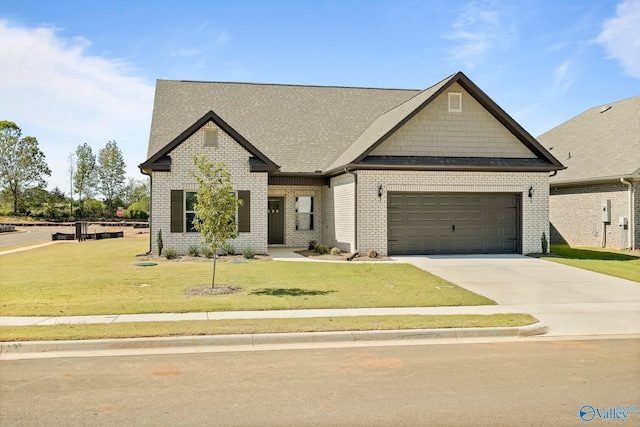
(455, 102)
(304, 213)
(211, 137)
(189, 213)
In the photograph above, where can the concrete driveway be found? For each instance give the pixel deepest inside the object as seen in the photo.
(569, 300)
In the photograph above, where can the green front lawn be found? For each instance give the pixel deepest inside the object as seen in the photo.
(258, 326)
(100, 277)
(623, 264)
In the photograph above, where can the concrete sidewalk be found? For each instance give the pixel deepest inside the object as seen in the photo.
(269, 314)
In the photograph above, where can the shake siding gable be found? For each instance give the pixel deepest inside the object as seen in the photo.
(435, 131)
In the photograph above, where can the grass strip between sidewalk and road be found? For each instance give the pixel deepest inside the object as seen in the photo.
(101, 278)
(622, 264)
(258, 326)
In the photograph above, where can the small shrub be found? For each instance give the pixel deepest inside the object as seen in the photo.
(372, 253)
(249, 253)
(159, 242)
(545, 243)
(171, 253)
(207, 252)
(322, 249)
(312, 245)
(193, 250)
(228, 249)
(335, 251)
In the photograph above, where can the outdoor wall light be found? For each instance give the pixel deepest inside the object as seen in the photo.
(530, 192)
(380, 190)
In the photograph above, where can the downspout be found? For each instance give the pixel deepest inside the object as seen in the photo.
(150, 208)
(631, 219)
(355, 208)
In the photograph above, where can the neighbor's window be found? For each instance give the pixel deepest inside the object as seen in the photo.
(189, 212)
(304, 213)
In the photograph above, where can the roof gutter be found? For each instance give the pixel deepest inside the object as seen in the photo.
(631, 220)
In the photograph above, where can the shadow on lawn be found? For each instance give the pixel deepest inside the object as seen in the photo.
(573, 253)
(291, 292)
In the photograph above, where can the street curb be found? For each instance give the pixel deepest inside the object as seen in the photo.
(254, 340)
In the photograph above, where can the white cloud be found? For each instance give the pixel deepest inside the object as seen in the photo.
(564, 76)
(620, 36)
(477, 30)
(54, 90)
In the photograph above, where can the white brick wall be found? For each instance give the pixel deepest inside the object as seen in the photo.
(180, 178)
(292, 237)
(339, 214)
(372, 210)
(434, 131)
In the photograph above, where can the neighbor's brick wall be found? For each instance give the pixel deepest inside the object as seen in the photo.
(372, 210)
(575, 214)
(292, 237)
(237, 159)
(338, 228)
(434, 131)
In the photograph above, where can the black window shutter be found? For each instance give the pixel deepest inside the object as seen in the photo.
(177, 211)
(244, 212)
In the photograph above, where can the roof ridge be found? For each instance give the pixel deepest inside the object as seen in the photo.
(292, 85)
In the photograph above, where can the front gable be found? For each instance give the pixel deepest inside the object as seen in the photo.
(196, 134)
(467, 131)
(427, 133)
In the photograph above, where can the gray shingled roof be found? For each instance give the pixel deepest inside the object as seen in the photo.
(300, 128)
(600, 144)
(384, 124)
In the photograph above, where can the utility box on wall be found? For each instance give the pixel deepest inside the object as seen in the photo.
(605, 210)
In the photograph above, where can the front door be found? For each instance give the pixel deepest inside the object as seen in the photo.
(276, 220)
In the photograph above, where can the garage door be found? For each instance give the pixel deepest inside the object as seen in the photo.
(453, 223)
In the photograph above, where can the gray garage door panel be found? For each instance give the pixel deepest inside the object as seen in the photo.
(453, 223)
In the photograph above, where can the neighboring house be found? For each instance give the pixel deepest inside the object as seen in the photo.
(596, 200)
(439, 171)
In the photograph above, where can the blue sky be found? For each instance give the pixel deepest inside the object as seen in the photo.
(79, 71)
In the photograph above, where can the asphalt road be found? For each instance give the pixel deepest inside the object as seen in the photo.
(31, 235)
(530, 382)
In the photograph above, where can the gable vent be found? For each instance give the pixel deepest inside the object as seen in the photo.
(455, 102)
(211, 137)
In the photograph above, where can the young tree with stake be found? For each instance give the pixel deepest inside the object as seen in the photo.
(215, 206)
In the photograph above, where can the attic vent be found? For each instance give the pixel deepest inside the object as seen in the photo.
(455, 102)
(211, 137)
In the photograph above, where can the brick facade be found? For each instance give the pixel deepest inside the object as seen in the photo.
(180, 178)
(575, 215)
(339, 201)
(372, 210)
(292, 237)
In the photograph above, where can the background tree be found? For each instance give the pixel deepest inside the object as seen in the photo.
(85, 179)
(110, 172)
(215, 206)
(22, 164)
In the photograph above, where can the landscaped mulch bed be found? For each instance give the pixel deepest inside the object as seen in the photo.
(310, 253)
(208, 290)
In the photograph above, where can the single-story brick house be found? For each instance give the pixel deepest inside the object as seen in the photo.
(601, 185)
(437, 171)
